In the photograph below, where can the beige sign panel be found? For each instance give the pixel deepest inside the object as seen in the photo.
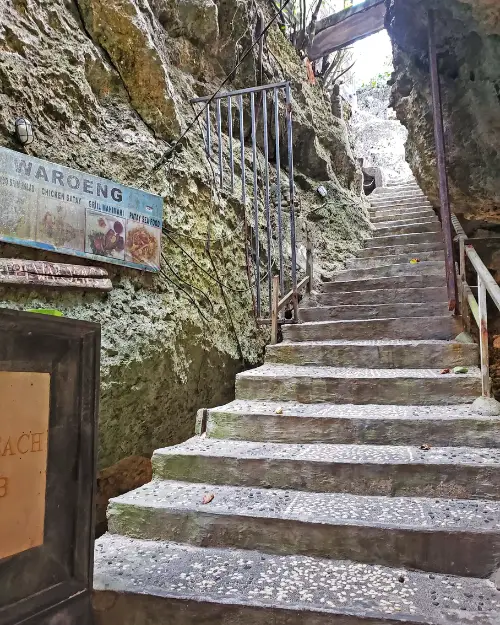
(24, 424)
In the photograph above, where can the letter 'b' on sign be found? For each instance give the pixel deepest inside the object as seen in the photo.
(24, 423)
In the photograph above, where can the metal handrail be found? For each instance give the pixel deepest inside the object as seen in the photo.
(468, 303)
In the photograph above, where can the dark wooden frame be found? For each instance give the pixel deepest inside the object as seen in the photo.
(51, 584)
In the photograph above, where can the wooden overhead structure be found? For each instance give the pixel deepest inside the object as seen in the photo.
(345, 27)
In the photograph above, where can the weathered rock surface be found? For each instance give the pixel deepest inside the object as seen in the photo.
(467, 33)
(107, 83)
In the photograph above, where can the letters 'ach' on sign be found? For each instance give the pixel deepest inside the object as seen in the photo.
(59, 209)
(23, 459)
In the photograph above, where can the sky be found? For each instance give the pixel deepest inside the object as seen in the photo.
(372, 56)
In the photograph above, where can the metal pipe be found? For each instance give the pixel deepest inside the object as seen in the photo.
(225, 94)
(255, 205)
(483, 338)
(219, 137)
(266, 197)
(292, 197)
(208, 145)
(278, 188)
(230, 129)
(242, 154)
(441, 167)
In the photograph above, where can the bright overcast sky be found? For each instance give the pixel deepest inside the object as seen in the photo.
(371, 56)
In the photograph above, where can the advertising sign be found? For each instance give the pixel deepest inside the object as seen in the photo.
(64, 210)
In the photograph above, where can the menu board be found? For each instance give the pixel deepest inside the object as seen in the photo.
(64, 210)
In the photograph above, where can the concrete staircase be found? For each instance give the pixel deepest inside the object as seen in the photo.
(349, 483)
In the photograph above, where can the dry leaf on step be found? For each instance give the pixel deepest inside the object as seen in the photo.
(443, 371)
(279, 410)
(208, 498)
(425, 447)
(414, 261)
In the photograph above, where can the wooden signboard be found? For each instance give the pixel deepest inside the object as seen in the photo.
(49, 380)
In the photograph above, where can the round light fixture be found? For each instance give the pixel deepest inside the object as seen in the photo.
(24, 131)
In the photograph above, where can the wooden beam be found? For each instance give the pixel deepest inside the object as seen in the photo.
(353, 27)
(33, 273)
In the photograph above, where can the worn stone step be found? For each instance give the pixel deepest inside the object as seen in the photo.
(432, 219)
(395, 215)
(380, 261)
(372, 424)
(384, 470)
(423, 268)
(405, 239)
(440, 327)
(379, 296)
(413, 228)
(387, 353)
(386, 190)
(344, 385)
(415, 249)
(395, 195)
(157, 582)
(394, 282)
(402, 204)
(458, 537)
(348, 312)
(398, 201)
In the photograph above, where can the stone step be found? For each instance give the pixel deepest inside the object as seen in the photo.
(348, 312)
(380, 261)
(314, 384)
(393, 190)
(156, 582)
(369, 424)
(386, 353)
(406, 281)
(405, 239)
(426, 268)
(413, 228)
(395, 195)
(415, 249)
(412, 215)
(395, 215)
(384, 470)
(379, 296)
(444, 327)
(398, 199)
(401, 207)
(457, 537)
(413, 221)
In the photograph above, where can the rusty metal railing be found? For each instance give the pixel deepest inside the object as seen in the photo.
(486, 284)
(273, 100)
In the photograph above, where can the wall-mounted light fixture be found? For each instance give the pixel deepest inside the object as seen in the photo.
(24, 131)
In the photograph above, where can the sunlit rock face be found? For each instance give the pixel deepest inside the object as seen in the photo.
(468, 46)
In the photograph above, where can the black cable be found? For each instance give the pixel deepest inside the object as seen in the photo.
(191, 286)
(173, 149)
(162, 273)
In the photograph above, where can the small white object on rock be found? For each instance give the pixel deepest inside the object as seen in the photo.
(486, 406)
(322, 191)
(279, 410)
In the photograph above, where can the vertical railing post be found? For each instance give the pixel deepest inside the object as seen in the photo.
(464, 305)
(309, 263)
(483, 338)
(288, 113)
(275, 296)
(441, 166)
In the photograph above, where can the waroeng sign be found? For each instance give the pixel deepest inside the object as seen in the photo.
(64, 210)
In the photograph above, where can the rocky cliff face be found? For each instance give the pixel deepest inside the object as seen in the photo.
(468, 36)
(379, 138)
(107, 84)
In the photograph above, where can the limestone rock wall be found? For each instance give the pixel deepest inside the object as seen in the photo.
(379, 138)
(468, 36)
(107, 84)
